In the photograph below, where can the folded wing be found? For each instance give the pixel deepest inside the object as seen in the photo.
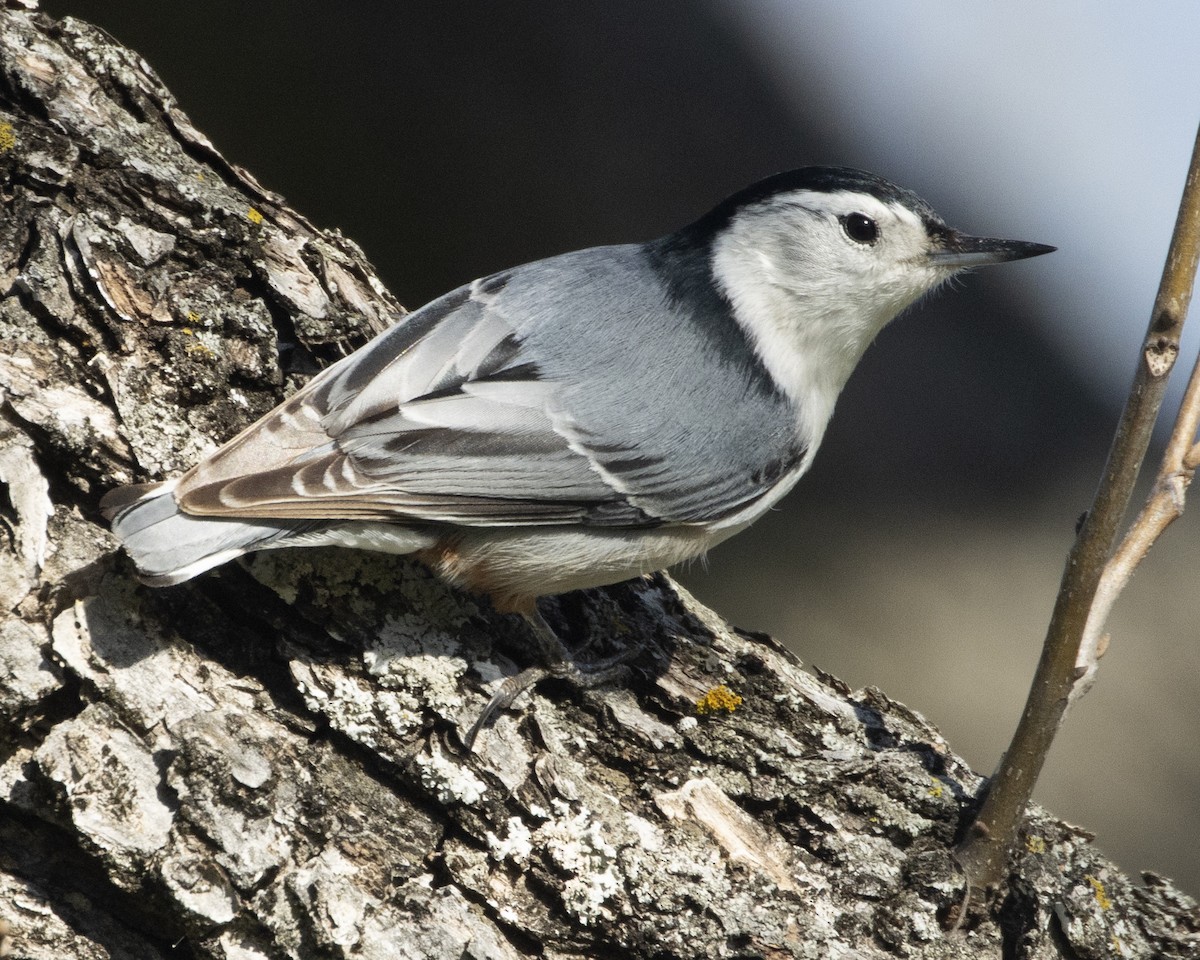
(469, 411)
(444, 418)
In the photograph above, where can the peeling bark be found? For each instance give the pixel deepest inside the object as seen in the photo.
(267, 762)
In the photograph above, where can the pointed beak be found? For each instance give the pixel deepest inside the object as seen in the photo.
(958, 251)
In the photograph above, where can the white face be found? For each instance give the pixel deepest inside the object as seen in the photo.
(813, 277)
(837, 249)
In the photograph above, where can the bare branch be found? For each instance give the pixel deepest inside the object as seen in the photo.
(985, 852)
(1164, 505)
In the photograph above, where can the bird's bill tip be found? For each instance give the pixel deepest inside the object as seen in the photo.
(961, 251)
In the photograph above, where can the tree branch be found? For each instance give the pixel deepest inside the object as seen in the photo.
(1163, 506)
(1068, 658)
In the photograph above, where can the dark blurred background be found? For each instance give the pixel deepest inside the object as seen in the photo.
(923, 551)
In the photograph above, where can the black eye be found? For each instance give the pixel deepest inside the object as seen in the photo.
(860, 228)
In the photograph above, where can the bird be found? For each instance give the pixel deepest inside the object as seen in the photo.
(579, 420)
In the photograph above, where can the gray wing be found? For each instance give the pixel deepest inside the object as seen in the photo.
(468, 412)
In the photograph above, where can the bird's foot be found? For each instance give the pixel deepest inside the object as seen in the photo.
(558, 665)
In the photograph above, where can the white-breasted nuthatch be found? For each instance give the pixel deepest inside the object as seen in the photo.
(579, 420)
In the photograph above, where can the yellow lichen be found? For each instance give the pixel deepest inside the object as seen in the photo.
(193, 316)
(1035, 844)
(716, 699)
(937, 789)
(1100, 893)
(196, 347)
(254, 216)
(8, 139)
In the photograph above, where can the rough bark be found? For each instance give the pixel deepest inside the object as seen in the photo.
(267, 762)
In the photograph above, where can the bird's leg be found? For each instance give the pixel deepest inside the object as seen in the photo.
(550, 648)
(557, 663)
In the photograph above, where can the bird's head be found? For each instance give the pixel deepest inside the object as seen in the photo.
(818, 260)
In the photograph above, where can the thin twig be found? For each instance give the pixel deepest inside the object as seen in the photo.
(1163, 506)
(984, 853)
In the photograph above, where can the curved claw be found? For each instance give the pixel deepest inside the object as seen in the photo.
(583, 676)
(503, 698)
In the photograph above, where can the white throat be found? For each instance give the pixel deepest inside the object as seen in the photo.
(809, 344)
(809, 322)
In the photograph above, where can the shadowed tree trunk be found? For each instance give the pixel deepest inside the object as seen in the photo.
(267, 761)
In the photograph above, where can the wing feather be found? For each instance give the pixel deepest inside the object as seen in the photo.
(442, 421)
(468, 412)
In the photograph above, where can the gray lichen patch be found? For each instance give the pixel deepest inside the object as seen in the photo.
(384, 721)
(577, 845)
(407, 656)
(413, 634)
